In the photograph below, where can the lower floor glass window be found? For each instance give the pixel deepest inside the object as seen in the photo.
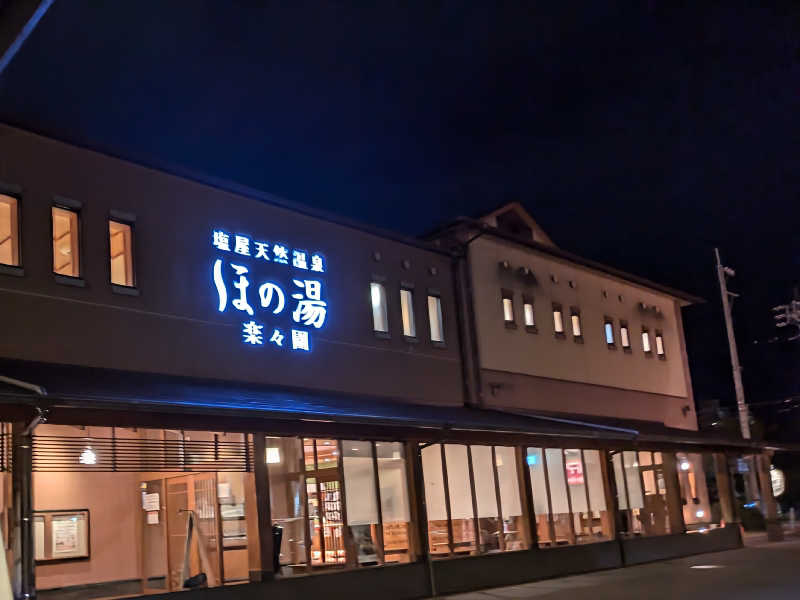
(473, 499)
(569, 496)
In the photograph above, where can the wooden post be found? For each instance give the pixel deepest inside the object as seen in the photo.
(724, 488)
(674, 498)
(769, 507)
(528, 519)
(610, 492)
(259, 518)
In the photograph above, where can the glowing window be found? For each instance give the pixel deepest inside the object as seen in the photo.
(659, 344)
(508, 310)
(9, 231)
(66, 249)
(380, 320)
(624, 335)
(435, 318)
(576, 323)
(527, 309)
(646, 341)
(120, 237)
(558, 319)
(407, 311)
(609, 329)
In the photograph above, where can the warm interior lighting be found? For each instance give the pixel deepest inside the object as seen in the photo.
(88, 456)
(65, 242)
(121, 253)
(9, 231)
(273, 456)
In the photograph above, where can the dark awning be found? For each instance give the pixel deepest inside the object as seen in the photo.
(133, 398)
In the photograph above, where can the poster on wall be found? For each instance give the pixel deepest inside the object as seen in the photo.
(61, 535)
(65, 536)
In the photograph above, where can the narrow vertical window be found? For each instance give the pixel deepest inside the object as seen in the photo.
(435, 318)
(380, 320)
(407, 311)
(646, 341)
(558, 320)
(66, 248)
(9, 231)
(120, 237)
(624, 336)
(508, 307)
(609, 331)
(660, 345)
(575, 317)
(527, 313)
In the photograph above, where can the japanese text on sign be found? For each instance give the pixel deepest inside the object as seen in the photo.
(301, 302)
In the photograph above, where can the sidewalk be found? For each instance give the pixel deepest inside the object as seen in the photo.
(761, 570)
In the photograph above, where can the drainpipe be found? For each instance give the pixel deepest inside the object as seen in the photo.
(465, 314)
(22, 542)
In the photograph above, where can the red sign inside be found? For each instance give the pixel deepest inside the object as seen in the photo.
(574, 472)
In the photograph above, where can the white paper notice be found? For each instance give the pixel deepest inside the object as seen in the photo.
(65, 536)
(152, 517)
(151, 502)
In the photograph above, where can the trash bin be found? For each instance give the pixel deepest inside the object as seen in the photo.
(277, 536)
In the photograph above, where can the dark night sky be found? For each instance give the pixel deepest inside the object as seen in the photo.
(640, 137)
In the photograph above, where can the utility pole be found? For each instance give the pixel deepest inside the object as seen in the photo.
(744, 416)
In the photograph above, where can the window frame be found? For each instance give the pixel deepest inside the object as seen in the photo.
(659, 338)
(435, 293)
(575, 312)
(76, 207)
(648, 352)
(623, 324)
(527, 300)
(408, 287)
(380, 281)
(557, 308)
(128, 219)
(506, 294)
(15, 192)
(609, 322)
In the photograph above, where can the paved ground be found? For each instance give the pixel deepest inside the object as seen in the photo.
(760, 571)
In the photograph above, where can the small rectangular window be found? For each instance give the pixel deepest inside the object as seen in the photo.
(380, 320)
(609, 331)
(508, 308)
(66, 243)
(660, 344)
(646, 341)
(624, 335)
(407, 310)
(435, 318)
(527, 310)
(575, 317)
(558, 320)
(120, 236)
(9, 230)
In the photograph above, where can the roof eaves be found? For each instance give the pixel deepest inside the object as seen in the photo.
(557, 252)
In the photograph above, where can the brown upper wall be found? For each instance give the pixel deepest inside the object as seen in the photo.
(173, 325)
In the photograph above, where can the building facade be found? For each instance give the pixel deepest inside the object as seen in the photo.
(203, 386)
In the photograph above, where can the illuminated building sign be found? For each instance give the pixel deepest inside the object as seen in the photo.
(281, 309)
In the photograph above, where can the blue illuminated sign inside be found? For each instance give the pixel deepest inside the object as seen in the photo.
(308, 310)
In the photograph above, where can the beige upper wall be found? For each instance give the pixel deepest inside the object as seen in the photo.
(542, 354)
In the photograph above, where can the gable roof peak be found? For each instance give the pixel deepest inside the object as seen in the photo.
(514, 219)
